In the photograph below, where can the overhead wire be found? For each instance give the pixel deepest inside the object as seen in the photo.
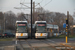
(16, 5)
(21, 6)
(47, 3)
(40, 5)
(24, 2)
(44, 5)
(41, 1)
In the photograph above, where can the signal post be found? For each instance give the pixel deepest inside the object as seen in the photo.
(51, 32)
(67, 27)
(66, 30)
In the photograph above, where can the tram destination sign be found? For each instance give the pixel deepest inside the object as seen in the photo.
(41, 25)
(21, 24)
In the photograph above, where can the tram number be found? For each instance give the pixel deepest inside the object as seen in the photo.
(21, 34)
(41, 34)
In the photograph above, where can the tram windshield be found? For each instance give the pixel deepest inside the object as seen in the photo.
(41, 28)
(21, 28)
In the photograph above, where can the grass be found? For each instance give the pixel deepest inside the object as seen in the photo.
(71, 36)
(6, 39)
(62, 36)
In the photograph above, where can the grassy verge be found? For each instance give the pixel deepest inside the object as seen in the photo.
(6, 39)
(58, 37)
(62, 36)
(71, 36)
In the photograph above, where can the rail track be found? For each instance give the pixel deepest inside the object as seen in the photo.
(57, 46)
(51, 44)
(21, 45)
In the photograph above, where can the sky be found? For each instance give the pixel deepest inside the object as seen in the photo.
(61, 6)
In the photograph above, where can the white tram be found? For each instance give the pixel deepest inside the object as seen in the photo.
(21, 29)
(40, 29)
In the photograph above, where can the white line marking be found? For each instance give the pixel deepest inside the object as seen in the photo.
(51, 40)
(33, 48)
(16, 42)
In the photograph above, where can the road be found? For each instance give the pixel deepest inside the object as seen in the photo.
(36, 44)
(62, 40)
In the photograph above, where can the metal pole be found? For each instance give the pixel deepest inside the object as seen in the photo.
(66, 30)
(53, 30)
(68, 22)
(67, 27)
(4, 22)
(31, 19)
(33, 11)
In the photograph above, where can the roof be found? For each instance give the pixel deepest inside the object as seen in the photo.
(21, 21)
(52, 26)
(40, 21)
(49, 26)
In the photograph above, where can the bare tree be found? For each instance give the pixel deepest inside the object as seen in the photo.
(22, 16)
(52, 17)
(1, 22)
(10, 20)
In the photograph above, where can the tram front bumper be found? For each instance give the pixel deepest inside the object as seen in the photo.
(41, 37)
(21, 36)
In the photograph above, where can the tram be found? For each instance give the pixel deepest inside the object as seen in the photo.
(41, 29)
(21, 29)
(55, 30)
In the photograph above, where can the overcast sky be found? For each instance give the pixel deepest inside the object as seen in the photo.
(61, 6)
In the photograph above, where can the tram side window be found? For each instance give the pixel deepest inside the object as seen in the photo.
(56, 30)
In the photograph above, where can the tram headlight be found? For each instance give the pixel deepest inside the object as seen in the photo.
(44, 34)
(26, 34)
(16, 34)
(38, 34)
